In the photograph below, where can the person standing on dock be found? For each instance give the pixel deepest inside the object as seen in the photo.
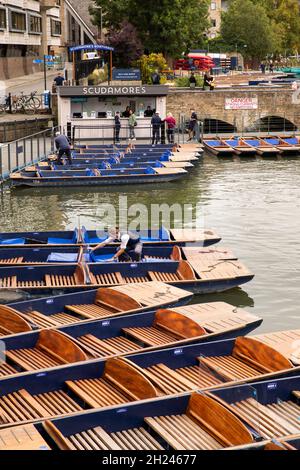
(130, 248)
(171, 123)
(64, 148)
(156, 125)
(132, 122)
(117, 127)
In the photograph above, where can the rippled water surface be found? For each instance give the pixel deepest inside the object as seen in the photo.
(253, 204)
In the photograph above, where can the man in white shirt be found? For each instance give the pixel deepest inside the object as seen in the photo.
(130, 248)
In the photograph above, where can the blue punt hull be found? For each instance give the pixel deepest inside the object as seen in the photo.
(94, 180)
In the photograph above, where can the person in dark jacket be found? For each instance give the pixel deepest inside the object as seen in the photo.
(156, 125)
(193, 80)
(117, 127)
(63, 146)
(192, 125)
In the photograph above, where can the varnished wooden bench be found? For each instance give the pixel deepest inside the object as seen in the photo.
(99, 439)
(120, 383)
(168, 380)
(52, 349)
(107, 279)
(76, 279)
(17, 260)
(168, 327)
(106, 347)
(198, 376)
(206, 425)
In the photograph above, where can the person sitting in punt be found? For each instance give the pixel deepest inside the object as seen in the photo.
(130, 248)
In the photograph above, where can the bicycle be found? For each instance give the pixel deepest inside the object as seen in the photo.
(26, 103)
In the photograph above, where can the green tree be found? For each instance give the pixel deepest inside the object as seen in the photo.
(149, 64)
(163, 26)
(247, 24)
(285, 15)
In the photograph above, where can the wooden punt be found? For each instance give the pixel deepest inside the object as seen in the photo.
(262, 148)
(288, 443)
(190, 422)
(57, 178)
(38, 350)
(270, 408)
(218, 147)
(200, 274)
(69, 388)
(284, 146)
(77, 237)
(206, 366)
(161, 329)
(96, 304)
(241, 148)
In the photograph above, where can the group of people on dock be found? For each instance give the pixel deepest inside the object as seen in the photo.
(156, 123)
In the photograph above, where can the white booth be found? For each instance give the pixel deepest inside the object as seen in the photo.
(90, 110)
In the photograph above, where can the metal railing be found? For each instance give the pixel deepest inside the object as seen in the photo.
(26, 151)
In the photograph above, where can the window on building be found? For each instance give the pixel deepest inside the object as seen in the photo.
(213, 23)
(2, 18)
(55, 28)
(58, 3)
(213, 6)
(17, 21)
(35, 24)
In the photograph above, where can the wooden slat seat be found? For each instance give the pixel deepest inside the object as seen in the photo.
(198, 376)
(107, 279)
(107, 347)
(54, 280)
(21, 284)
(97, 393)
(273, 420)
(168, 380)
(182, 433)
(8, 281)
(92, 310)
(151, 336)
(33, 358)
(135, 439)
(136, 280)
(43, 321)
(6, 369)
(296, 394)
(20, 406)
(164, 277)
(229, 367)
(16, 260)
(57, 402)
(24, 437)
(64, 318)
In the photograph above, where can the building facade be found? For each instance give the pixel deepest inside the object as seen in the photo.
(30, 29)
(216, 8)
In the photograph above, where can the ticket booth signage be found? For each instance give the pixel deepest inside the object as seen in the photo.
(127, 75)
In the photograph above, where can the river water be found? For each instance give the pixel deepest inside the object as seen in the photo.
(253, 204)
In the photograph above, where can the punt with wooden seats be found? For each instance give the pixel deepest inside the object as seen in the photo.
(287, 146)
(161, 329)
(38, 350)
(65, 255)
(158, 237)
(201, 274)
(204, 366)
(190, 422)
(241, 148)
(68, 388)
(263, 148)
(91, 305)
(218, 147)
(63, 391)
(271, 408)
